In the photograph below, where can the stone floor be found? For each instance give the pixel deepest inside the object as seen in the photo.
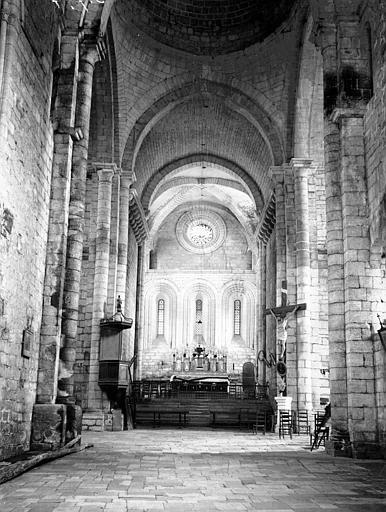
(198, 470)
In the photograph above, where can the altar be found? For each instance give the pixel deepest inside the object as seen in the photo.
(199, 361)
(203, 383)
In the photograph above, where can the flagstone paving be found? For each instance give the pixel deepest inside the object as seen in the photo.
(199, 471)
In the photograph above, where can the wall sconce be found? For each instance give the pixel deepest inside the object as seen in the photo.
(323, 371)
(382, 333)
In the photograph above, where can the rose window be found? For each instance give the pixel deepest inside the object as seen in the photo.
(200, 234)
(201, 231)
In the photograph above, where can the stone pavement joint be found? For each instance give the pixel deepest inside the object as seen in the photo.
(197, 471)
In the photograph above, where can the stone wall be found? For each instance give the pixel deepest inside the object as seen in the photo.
(25, 162)
(233, 253)
(374, 129)
(307, 346)
(85, 385)
(374, 122)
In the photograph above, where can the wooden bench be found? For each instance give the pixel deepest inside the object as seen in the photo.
(182, 413)
(161, 416)
(230, 417)
(247, 417)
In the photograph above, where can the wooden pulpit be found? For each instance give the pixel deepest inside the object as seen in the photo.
(113, 355)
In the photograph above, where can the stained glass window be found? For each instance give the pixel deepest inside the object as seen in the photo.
(161, 318)
(237, 317)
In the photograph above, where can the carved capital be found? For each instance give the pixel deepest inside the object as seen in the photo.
(92, 49)
(128, 178)
(105, 171)
(301, 166)
(276, 173)
(339, 114)
(105, 175)
(75, 133)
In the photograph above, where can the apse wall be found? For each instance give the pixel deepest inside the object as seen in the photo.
(26, 160)
(179, 272)
(232, 254)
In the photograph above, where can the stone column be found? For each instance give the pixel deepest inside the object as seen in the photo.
(262, 341)
(101, 275)
(335, 280)
(359, 278)
(64, 117)
(301, 169)
(90, 53)
(10, 28)
(328, 40)
(138, 333)
(277, 174)
(352, 274)
(126, 181)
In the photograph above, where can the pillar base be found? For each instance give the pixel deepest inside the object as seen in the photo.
(49, 423)
(338, 448)
(74, 422)
(54, 425)
(355, 450)
(94, 420)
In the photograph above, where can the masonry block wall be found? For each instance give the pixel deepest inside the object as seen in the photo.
(233, 253)
(88, 349)
(86, 295)
(26, 138)
(374, 121)
(292, 234)
(355, 269)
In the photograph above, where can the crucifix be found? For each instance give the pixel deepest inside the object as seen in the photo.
(282, 314)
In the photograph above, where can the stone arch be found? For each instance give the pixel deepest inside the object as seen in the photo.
(155, 290)
(182, 181)
(249, 106)
(201, 288)
(104, 124)
(308, 125)
(220, 209)
(178, 164)
(246, 292)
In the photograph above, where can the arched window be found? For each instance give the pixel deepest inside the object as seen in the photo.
(161, 318)
(237, 317)
(198, 316)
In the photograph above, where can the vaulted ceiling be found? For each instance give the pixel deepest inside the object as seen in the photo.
(208, 27)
